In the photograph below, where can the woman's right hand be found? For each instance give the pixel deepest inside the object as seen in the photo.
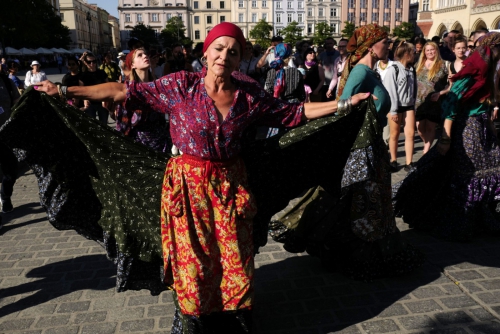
(47, 87)
(329, 93)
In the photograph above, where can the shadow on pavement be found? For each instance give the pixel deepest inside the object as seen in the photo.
(57, 279)
(298, 293)
(19, 212)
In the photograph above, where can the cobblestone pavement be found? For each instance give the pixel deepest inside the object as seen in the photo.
(57, 282)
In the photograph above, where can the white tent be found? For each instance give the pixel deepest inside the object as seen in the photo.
(43, 51)
(27, 52)
(12, 52)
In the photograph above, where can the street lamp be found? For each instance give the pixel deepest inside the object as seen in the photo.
(90, 35)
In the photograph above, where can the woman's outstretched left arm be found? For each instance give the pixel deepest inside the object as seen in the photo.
(319, 109)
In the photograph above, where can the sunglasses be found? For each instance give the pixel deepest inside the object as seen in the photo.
(470, 46)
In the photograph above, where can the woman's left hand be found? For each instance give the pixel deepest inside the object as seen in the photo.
(356, 99)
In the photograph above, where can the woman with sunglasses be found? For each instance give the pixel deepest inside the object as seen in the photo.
(454, 191)
(92, 76)
(315, 75)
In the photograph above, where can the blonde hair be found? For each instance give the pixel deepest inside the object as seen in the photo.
(404, 48)
(135, 77)
(436, 65)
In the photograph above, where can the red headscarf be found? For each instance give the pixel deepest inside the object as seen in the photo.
(225, 29)
(130, 59)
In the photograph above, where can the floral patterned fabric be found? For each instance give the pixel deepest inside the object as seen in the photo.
(194, 124)
(206, 225)
(425, 108)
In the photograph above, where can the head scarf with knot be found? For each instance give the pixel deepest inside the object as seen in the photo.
(477, 66)
(281, 53)
(225, 29)
(363, 38)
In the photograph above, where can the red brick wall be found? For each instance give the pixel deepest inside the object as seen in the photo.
(479, 3)
(425, 27)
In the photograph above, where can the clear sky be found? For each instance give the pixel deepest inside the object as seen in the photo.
(111, 6)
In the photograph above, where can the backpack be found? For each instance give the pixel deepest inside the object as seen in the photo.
(415, 85)
(8, 85)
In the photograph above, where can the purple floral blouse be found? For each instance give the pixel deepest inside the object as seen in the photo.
(194, 125)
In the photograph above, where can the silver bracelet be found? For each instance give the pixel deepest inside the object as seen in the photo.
(341, 107)
(349, 106)
(64, 90)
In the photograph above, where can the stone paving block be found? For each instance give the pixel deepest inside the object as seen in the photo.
(423, 306)
(262, 257)
(458, 302)
(337, 290)
(341, 330)
(357, 300)
(428, 292)
(451, 318)
(76, 251)
(142, 300)
(67, 245)
(55, 241)
(490, 272)
(466, 275)
(109, 303)
(491, 328)
(16, 324)
(490, 284)
(165, 322)
(37, 248)
(321, 304)
(65, 330)
(380, 326)
(7, 265)
(352, 315)
(19, 256)
(11, 272)
(417, 322)
(315, 319)
(71, 296)
(58, 320)
(73, 307)
(490, 297)
(452, 289)
(315, 281)
(101, 328)
(271, 248)
(90, 317)
(481, 314)
(391, 296)
(51, 253)
(31, 263)
(137, 325)
(274, 324)
(496, 309)
(159, 310)
(39, 310)
(306, 293)
(390, 311)
(281, 284)
(125, 313)
(449, 331)
(283, 255)
(96, 294)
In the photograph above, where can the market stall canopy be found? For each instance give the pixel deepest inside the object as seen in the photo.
(27, 52)
(44, 51)
(12, 52)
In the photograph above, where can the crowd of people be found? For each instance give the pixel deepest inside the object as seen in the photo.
(202, 110)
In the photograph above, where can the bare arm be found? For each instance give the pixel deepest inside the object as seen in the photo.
(262, 61)
(319, 109)
(445, 140)
(111, 91)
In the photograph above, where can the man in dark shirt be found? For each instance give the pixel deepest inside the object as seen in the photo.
(8, 162)
(72, 78)
(92, 77)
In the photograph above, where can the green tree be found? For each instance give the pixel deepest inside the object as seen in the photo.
(348, 30)
(261, 33)
(145, 34)
(386, 29)
(292, 33)
(405, 31)
(322, 30)
(31, 23)
(174, 33)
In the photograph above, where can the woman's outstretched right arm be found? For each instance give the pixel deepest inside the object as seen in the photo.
(111, 91)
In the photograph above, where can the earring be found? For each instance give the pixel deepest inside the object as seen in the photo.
(373, 54)
(204, 60)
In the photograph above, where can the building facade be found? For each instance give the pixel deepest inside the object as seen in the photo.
(329, 11)
(247, 13)
(83, 21)
(153, 13)
(205, 14)
(435, 17)
(115, 32)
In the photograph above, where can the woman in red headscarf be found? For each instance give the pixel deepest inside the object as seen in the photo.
(461, 172)
(207, 208)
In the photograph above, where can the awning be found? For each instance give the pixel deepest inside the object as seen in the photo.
(44, 51)
(12, 52)
(27, 52)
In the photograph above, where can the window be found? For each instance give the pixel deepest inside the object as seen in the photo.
(264, 16)
(375, 4)
(196, 20)
(254, 3)
(127, 18)
(278, 4)
(320, 12)
(240, 17)
(300, 5)
(289, 5)
(387, 17)
(387, 3)
(240, 4)
(196, 34)
(351, 4)
(309, 12)
(209, 19)
(222, 5)
(425, 5)
(154, 17)
(138, 4)
(223, 18)
(278, 18)
(264, 4)
(351, 18)
(335, 27)
(398, 17)
(300, 17)
(195, 4)
(333, 12)
(362, 17)
(399, 4)
(254, 17)
(169, 16)
(62, 16)
(289, 18)
(127, 5)
(309, 28)
(363, 4)
(209, 4)
(139, 17)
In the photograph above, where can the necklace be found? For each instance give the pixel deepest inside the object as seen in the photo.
(382, 67)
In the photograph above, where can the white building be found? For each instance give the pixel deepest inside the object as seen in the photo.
(247, 13)
(329, 11)
(288, 11)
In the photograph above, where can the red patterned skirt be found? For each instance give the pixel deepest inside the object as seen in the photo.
(206, 227)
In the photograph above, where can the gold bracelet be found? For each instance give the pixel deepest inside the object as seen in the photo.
(60, 92)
